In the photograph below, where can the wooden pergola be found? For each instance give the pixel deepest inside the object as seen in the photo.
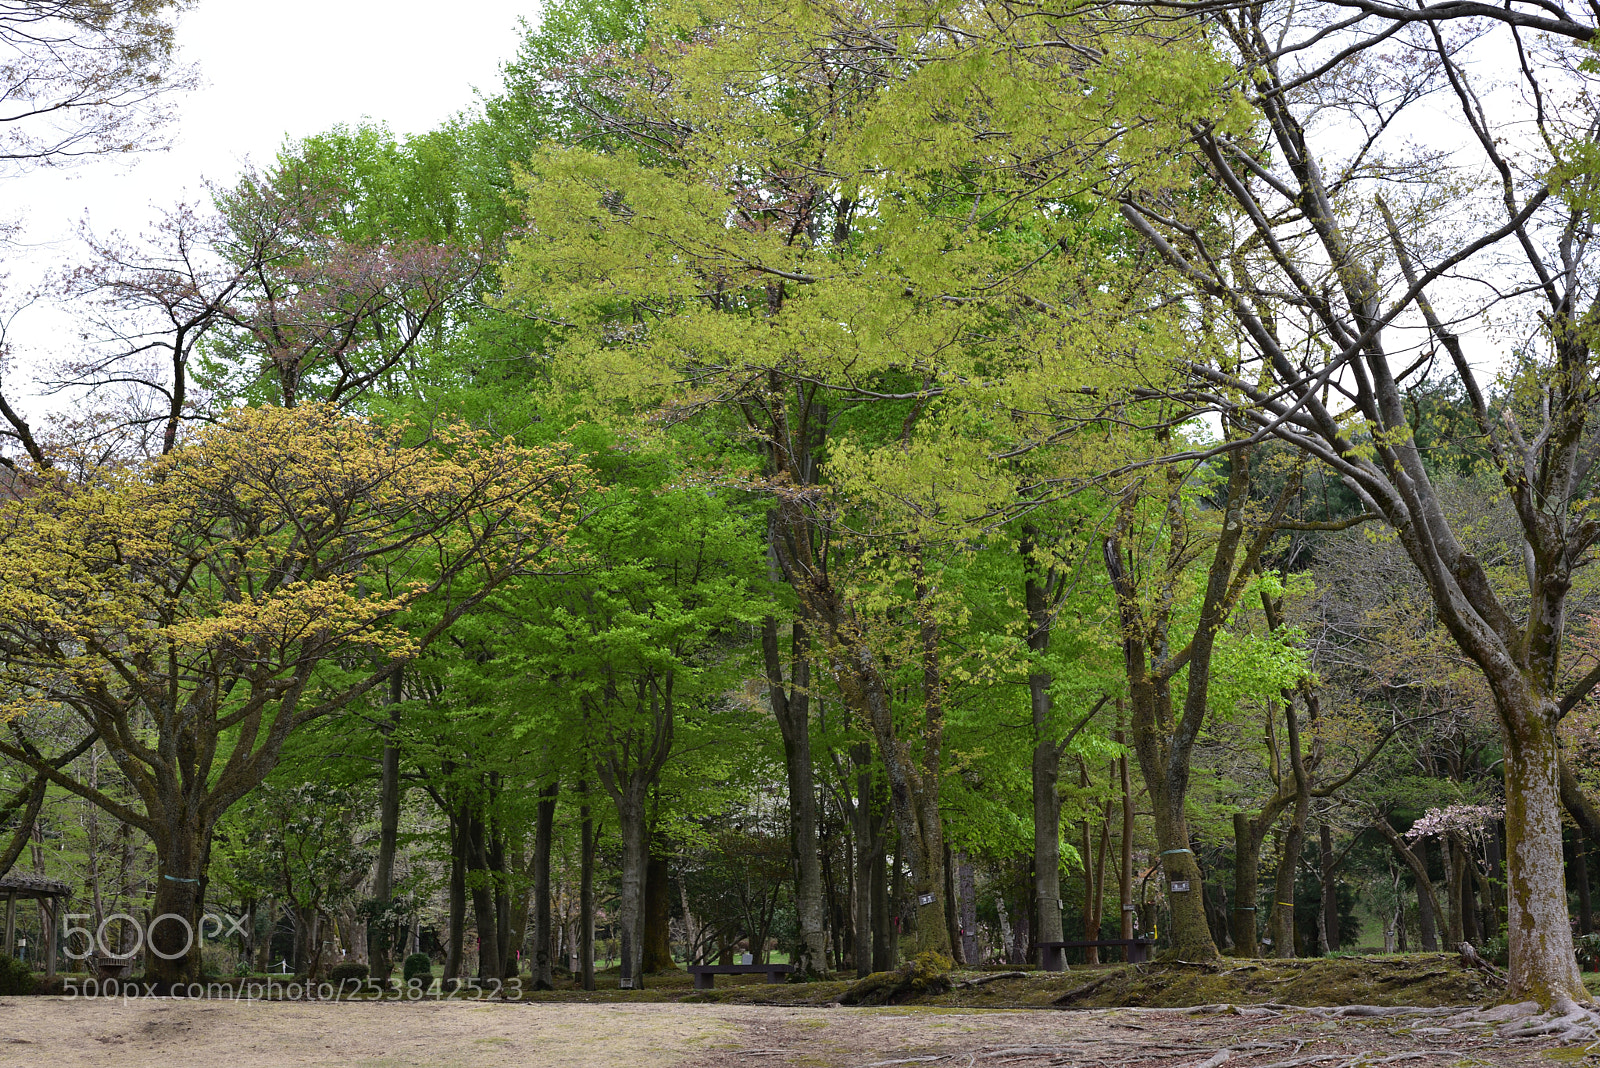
(22, 886)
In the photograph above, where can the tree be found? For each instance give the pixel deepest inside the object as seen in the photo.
(301, 844)
(84, 77)
(773, 250)
(642, 648)
(1297, 269)
(195, 610)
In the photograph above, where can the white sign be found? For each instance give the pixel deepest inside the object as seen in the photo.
(926, 899)
(1180, 885)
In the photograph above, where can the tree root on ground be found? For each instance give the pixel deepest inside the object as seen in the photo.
(990, 978)
(1567, 1022)
(927, 973)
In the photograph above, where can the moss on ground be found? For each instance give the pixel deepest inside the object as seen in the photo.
(1427, 979)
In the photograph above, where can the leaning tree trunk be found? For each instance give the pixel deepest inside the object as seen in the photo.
(1283, 926)
(913, 776)
(1427, 900)
(1163, 742)
(792, 709)
(1191, 934)
(913, 792)
(869, 857)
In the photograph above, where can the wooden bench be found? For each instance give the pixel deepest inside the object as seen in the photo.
(705, 975)
(1054, 957)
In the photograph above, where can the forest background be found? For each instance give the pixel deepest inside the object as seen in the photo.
(841, 482)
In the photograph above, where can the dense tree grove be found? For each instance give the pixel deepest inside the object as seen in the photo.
(835, 482)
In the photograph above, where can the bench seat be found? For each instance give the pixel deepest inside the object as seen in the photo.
(705, 975)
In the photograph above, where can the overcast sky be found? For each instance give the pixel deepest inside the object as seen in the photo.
(269, 70)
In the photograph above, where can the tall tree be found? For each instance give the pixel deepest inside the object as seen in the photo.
(196, 610)
(1349, 409)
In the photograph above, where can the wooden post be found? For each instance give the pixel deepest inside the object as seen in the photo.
(47, 920)
(11, 924)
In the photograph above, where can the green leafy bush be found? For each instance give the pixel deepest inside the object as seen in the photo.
(1496, 950)
(348, 970)
(15, 977)
(418, 965)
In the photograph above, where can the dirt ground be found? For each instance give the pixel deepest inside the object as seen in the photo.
(55, 1032)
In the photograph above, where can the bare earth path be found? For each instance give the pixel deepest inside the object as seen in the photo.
(60, 1033)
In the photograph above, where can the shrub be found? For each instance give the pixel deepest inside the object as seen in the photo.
(15, 977)
(1588, 950)
(418, 965)
(348, 970)
(1495, 950)
(218, 959)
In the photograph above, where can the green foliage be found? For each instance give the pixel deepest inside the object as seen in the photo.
(348, 971)
(417, 966)
(15, 977)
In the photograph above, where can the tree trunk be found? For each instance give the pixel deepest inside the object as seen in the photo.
(1461, 859)
(543, 835)
(792, 709)
(631, 904)
(657, 956)
(586, 891)
(1046, 822)
(458, 900)
(1283, 926)
(1294, 841)
(380, 926)
(1543, 965)
(1046, 757)
(1580, 875)
(1493, 892)
(1125, 871)
(174, 929)
(952, 899)
(505, 950)
(1330, 890)
(1427, 901)
(483, 903)
(967, 890)
(1246, 888)
(912, 771)
(1022, 921)
(869, 860)
(883, 946)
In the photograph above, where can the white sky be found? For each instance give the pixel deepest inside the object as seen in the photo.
(270, 70)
